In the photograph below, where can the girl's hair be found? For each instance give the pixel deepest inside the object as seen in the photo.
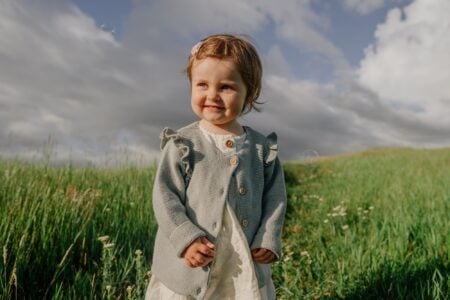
(241, 52)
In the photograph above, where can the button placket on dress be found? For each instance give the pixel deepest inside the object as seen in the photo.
(234, 160)
(229, 143)
(230, 153)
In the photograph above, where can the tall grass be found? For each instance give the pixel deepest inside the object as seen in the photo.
(51, 220)
(369, 226)
(373, 225)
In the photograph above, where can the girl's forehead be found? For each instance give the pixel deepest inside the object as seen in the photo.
(225, 66)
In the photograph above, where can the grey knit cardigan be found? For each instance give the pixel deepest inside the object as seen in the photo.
(192, 183)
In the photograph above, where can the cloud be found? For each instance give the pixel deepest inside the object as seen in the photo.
(407, 65)
(298, 24)
(101, 100)
(364, 6)
(197, 16)
(333, 119)
(306, 116)
(61, 77)
(70, 80)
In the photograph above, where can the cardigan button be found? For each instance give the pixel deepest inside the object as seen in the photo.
(229, 144)
(242, 190)
(199, 290)
(244, 223)
(234, 161)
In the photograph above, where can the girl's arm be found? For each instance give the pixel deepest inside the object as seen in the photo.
(168, 200)
(274, 203)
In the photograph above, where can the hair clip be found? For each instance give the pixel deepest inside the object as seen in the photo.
(194, 49)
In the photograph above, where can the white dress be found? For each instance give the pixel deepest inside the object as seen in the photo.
(232, 271)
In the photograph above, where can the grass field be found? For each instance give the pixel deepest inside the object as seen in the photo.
(371, 225)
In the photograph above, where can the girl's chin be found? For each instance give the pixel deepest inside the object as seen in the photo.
(222, 124)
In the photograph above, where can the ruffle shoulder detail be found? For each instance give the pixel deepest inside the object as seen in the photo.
(180, 143)
(271, 149)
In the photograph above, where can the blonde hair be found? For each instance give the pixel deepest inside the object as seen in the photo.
(244, 56)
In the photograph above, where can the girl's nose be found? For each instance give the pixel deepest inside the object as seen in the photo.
(213, 95)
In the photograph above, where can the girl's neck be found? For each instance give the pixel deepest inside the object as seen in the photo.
(234, 128)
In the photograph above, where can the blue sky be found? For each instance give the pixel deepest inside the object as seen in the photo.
(351, 32)
(112, 13)
(102, 78)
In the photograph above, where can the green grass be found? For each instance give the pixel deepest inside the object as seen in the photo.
(371, 225)
(50, 222)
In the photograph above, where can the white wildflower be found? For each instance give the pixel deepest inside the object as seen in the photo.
(103, 239)
(129, 290)
(107, 246)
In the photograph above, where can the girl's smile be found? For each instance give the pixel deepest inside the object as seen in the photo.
(213, 107)
(218, 94)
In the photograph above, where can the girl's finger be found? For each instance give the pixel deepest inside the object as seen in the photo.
(263, 261)
(269, 259)
(199, 258)
(205, 263)
(188, 263)
(259, 252)
(255, 252)
(266, 255)
(205, 241)
(205, 250)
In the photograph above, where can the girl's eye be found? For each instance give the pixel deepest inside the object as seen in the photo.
(227, 87)
(202, 85)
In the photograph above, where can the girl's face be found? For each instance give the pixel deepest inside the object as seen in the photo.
(218, 92)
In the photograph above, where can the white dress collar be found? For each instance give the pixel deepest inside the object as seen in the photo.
(227, 143)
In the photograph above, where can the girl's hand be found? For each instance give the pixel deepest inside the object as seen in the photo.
(263, 255)
(199, 253)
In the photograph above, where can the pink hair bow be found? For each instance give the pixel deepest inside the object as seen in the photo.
(195, 48)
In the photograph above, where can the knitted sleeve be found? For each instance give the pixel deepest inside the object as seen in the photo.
(274, 200)
(169, 189)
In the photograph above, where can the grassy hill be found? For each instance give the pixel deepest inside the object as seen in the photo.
(371, 225)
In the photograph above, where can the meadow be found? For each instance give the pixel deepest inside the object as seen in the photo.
(368, 225)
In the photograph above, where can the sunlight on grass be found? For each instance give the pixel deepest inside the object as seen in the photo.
(373, 225)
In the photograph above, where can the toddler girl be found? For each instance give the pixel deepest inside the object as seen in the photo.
(219, 196)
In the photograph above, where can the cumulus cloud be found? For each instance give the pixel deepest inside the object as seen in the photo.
(407, 65)
(60, 78)
(70, 80)
(307, 116)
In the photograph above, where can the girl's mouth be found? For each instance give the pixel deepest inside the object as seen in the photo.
(213, 107)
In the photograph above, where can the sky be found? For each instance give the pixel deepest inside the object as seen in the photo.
(95, 82)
